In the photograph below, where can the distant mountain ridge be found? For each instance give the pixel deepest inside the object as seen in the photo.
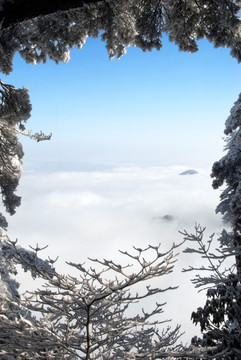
(189, 172)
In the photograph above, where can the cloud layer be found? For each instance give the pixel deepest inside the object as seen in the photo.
(82, 214)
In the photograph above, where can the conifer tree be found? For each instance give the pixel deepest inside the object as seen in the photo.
(220, 317)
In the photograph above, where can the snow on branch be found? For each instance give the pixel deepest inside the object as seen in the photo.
(219, 318)
(215, 261)
(49, 30)
(85, 317)
(15, 109)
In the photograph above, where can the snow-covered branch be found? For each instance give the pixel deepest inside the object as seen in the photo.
(15, 109)
(84, 317)
(49, 29)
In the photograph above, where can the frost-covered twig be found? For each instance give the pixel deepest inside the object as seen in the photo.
(85, 317)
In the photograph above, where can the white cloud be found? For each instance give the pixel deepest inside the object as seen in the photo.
(94, 214)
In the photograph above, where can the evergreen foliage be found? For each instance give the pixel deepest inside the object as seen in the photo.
(219, 319)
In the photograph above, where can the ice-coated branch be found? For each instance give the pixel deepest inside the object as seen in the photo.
(36, 136)
(219, 318)
(17, 325)
(214, 261)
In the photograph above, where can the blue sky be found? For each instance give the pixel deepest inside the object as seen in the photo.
(164, 107)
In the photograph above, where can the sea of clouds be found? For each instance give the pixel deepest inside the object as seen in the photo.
(94, 211)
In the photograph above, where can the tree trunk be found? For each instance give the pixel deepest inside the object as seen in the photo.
(20, 10)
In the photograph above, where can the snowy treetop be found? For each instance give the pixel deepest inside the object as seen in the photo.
(121, 23)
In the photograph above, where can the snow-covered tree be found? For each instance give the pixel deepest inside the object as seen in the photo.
(15, 109)
(85, 317)
(228, 171)
(220, 317)
(50, 28)
(17, 325)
